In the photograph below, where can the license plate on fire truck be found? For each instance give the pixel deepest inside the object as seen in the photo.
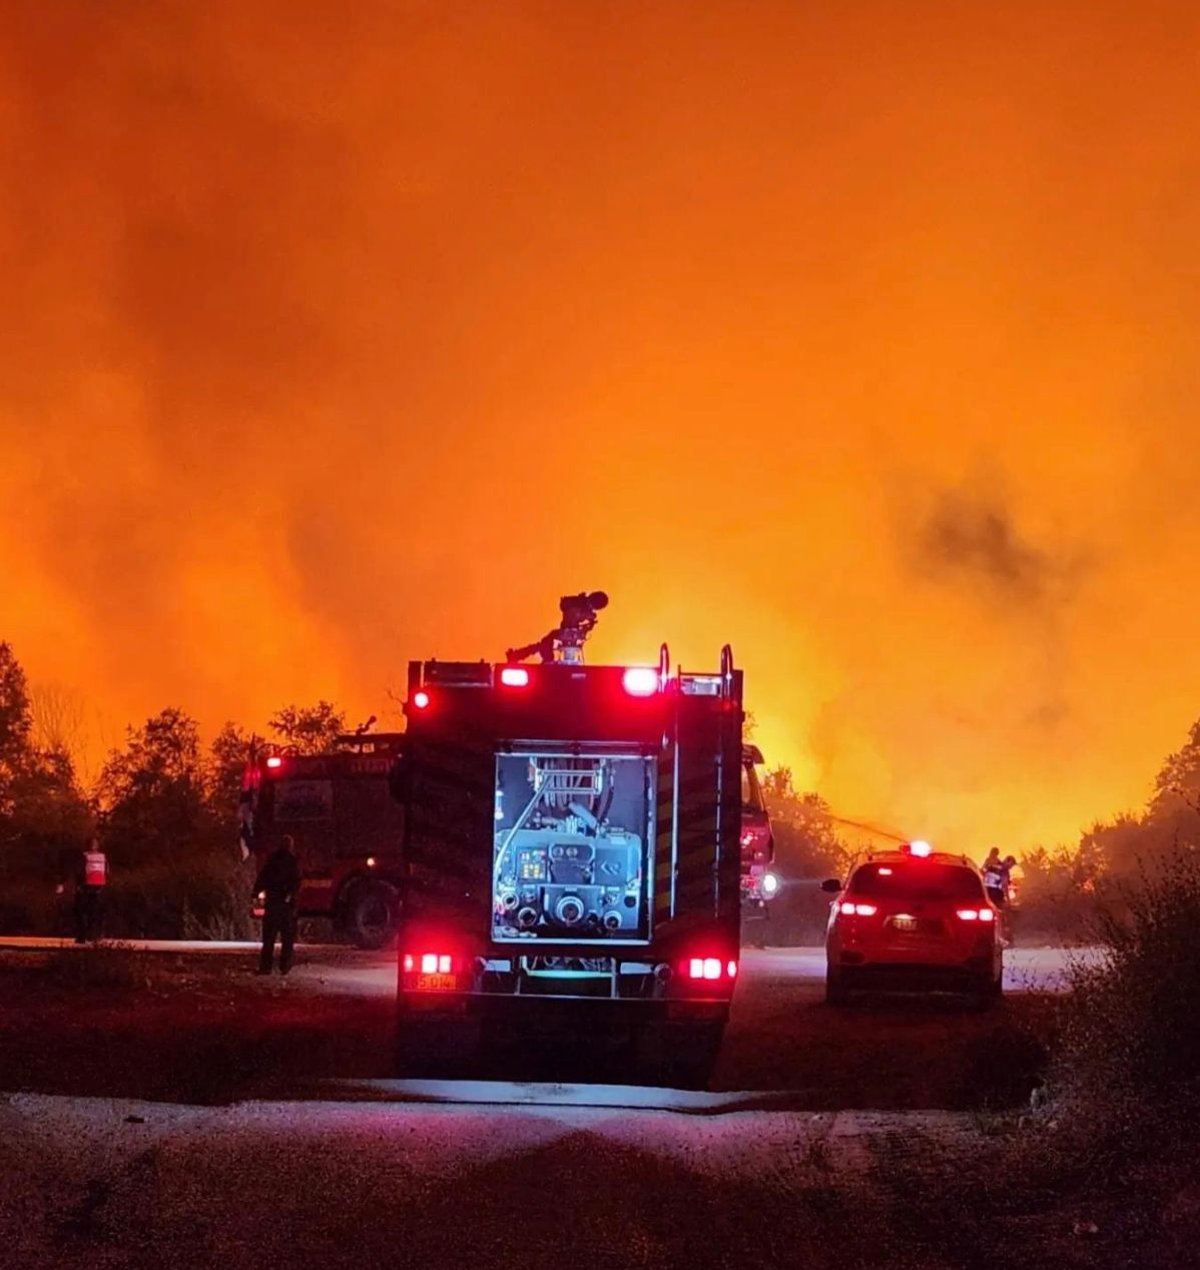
(436, 983)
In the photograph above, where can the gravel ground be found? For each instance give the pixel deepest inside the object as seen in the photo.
(172, 1109)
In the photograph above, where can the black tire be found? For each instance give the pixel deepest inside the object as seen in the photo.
(988, 994)
(370, 912)
(836, 992)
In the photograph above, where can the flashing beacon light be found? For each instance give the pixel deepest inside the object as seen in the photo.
(274, 761)
(420, 699)
(641, 681)
(920, 848)
(514, 676)
(770, 885)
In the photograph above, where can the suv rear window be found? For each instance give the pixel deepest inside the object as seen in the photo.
(916, 882)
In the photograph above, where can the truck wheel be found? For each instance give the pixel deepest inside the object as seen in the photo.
(370, 914)
(836, 992)
(754, 934)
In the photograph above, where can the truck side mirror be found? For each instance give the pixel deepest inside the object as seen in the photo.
(831, 885)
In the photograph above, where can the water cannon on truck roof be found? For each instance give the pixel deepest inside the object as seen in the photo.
(565, 643)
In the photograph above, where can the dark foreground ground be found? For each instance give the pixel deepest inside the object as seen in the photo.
(172, 1109)
(202, 1028)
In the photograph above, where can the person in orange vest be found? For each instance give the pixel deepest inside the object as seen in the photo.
(89, 892)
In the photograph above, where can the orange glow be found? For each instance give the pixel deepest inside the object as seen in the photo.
(859, 336)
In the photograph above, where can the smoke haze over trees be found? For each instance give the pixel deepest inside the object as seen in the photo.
(164, 804)
(272, 275)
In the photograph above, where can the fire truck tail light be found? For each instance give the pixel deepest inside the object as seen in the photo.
(514, 676)
(857, 910)
(976, 915)
(408, 963)
(641, 681)
(710, 968)
(433, 963)
(274, 761)
(420, 699)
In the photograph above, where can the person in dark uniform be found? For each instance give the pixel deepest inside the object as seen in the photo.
(279, 883)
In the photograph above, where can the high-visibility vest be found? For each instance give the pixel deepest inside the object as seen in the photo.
(95, 868)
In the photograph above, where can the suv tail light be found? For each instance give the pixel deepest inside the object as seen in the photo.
(976, 915)
(858, 910)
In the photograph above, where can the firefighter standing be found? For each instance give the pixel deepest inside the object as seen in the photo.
(90, 881)
(993, 877)
(278, 884)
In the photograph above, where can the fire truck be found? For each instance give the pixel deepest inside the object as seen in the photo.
(347, 828)
(571, 850)
(760, 884)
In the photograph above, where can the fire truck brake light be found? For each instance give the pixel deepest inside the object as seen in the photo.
(514, 676)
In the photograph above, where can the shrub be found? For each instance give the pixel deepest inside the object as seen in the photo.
(1130, 1042)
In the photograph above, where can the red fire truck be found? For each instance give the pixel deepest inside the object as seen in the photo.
(346, 826)
(571, 849)
(760, 884)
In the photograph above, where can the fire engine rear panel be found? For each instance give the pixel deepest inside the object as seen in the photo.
(571, 846)
(648, 854)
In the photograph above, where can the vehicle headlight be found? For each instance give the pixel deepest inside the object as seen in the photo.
(770, 885)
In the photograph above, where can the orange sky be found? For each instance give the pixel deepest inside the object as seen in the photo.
(862, 336)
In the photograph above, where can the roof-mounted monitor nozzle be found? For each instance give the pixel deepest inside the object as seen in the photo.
(565, 642)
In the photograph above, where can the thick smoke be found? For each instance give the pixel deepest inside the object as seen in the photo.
(973, 542)
(337, 336)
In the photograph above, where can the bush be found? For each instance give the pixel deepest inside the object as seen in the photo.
(205, 898)
(1130, 1042)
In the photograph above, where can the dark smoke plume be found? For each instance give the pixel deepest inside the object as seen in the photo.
(974, 542)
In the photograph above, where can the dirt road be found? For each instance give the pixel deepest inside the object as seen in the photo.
(859, 1146)
(202, 1028)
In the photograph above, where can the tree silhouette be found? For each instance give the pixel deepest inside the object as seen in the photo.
(308, 729)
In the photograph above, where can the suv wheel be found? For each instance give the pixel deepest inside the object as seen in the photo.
(836, 992)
